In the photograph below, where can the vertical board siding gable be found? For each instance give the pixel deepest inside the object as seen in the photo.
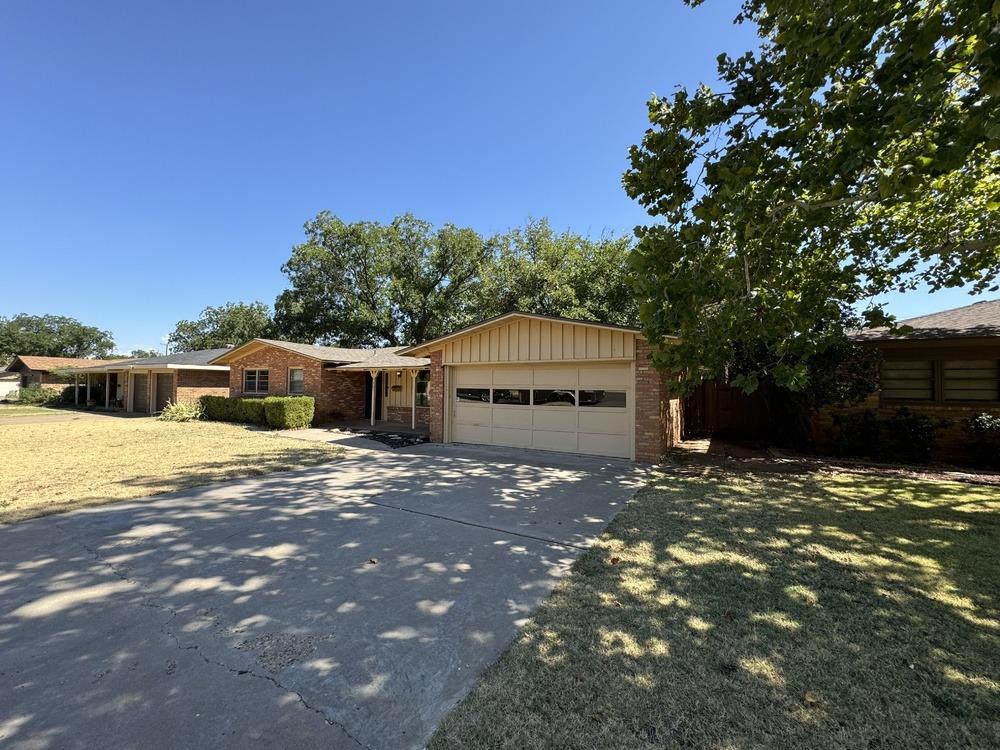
(531, 340)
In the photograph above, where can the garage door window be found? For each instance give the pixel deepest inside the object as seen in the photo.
(514, 396)
(554, 397)
(610, 399)
(480, 395)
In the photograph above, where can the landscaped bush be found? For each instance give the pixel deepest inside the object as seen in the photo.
(289, 412)
(242, 410)
(906, 436)
(186, 412)
(36, 395)
(985, 429)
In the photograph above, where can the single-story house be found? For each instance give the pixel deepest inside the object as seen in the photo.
(945, 365)
(49, 372)
(348, 384)
(519, 380)
(146, 385)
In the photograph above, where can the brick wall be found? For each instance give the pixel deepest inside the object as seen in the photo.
(403, 415)
(190, 385)
(953, 442)
(435, 395)
(657, 416)
(339, 394)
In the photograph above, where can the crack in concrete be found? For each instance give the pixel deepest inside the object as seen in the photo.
(151, 602)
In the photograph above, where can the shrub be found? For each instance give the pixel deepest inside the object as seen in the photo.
(242, 410)
(909, 436)
(186, 412)
(985, 430)
(906, 436)
(35, 394)
(289, 412)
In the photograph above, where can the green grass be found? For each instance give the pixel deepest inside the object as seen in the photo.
(729, 610)
(24, 410)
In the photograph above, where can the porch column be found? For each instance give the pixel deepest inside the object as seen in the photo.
(374, 374)
(76, 389)
(107, 390)
(88, 388)
(413, 395)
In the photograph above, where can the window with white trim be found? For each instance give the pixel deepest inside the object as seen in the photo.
(255, 382)
(422, 384)
(296, 381)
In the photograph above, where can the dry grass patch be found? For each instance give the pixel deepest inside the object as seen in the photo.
(727, 610)
(49, 468)
(24, 410)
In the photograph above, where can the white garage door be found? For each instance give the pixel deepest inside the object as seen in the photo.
(575, 408)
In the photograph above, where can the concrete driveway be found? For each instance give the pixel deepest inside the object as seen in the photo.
(341, 606)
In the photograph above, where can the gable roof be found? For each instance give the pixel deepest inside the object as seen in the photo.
(427, 346)
(388, 359)
(978, 320)
(332, 354)
(46, 364)
(201, 358)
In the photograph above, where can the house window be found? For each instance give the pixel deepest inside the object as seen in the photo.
(296, 381)
(255, 381)
(422, 385)
(912, 380)
(970, 380)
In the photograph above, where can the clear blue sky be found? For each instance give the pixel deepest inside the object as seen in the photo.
(156, 158)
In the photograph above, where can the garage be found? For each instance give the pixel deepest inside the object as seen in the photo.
(556, 384)
(566, 408)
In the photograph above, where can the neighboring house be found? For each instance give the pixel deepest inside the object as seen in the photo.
(946, 367)
(48, 372)
(10, 385)
(147, 385)
(352, 384)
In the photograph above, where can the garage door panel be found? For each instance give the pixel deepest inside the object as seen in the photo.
(510, 416)
(554, 441)
(512, 376)
(603, 421)
(472, 414)
(513, 437)
(604, 445)
(563, 420)
(472, 376)
(560, 377)
(467, 433)
(605, 375)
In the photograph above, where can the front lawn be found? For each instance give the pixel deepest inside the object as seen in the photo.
(58, 466)
(734, 610)
(24, 410)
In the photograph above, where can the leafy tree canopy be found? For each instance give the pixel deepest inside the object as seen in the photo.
(855, 153)
(533, 269)
(51, 336)
(372, 284)
(216, 327)
(144, 353)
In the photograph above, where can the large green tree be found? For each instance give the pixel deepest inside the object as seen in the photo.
(51, 336)
(216, 327)
(855, 153)
(534, 269)
(371, 284)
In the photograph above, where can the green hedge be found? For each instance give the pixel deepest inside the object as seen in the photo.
(277, 412)
(242, 410)
(289, 412)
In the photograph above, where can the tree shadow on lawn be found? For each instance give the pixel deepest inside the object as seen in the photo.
(764, 610)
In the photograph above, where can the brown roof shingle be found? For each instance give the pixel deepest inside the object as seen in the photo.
(45, 364)
(978, 320)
